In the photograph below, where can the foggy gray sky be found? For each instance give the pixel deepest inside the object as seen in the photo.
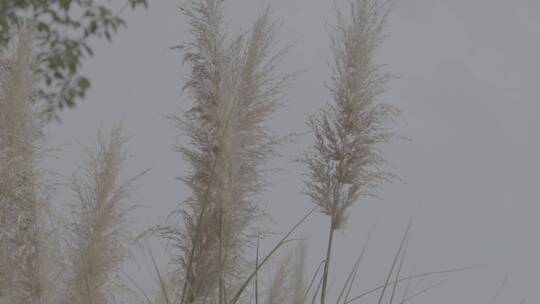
(468, 88)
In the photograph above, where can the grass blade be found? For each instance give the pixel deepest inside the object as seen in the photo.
(352, 275)
(414, 276)
(271, 253)
(312, 281)
(388, 278)
(423, 291)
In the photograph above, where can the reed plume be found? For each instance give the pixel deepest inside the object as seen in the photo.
(98, 234)
(20, 178)
(288, 284)
(234, 91)
(344, 162)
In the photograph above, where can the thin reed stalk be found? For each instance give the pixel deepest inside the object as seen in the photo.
(327, 262)
(344, 162)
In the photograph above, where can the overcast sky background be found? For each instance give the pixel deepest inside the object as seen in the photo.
(467, 83)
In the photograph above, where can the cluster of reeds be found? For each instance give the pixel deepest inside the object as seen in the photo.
(45, 259)
(234, 88)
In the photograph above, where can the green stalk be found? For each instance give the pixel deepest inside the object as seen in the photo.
(327, 262)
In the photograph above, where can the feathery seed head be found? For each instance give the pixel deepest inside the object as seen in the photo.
(234, 90)
(98, 234)
(344, 162)
(20, 199)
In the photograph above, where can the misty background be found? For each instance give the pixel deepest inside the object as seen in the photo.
(467, 83)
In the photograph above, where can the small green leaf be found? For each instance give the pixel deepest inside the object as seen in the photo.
(103, 11)
(58, 75)
(65, 4)
(43, 27)
(84, 83)
(93, 27)
(88, 49)
(72, 64)
(89, 13)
